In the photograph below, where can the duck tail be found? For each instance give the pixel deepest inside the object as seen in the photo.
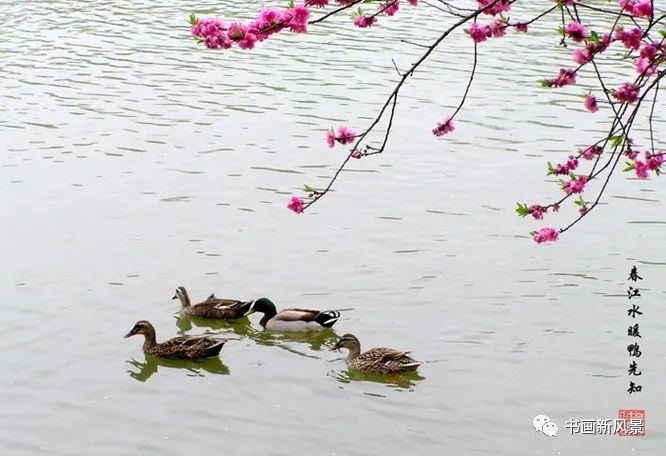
(327, 318)
(215, 349)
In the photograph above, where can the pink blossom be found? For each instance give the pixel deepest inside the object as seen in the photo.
(582, 210)
(207, 27)
(248, 41)
(213, 33)
(556, 207)
(236, 31)
(318, 3)
(645, 66)
(502, 6)
(330, 138)
(497, 28)
(641, 169)
(356, 154)
(520, 27)
(566, 76)
(546, 234)
(591, 152)
(566, 2)
(298, 21)
(537, 211)
(345, 135)
(577, 31)
(654, 161)
(631, 39)
(445, 127)
(595, 47)
(649, 51)
(564, 169)
(581, 56)
(270, 15)
(296, 204)
(627, 5)
(478, 32)
(575, 185)
(626, 93)
(631, 154)
(364, 21)
(413, 2)
(643, 9)
(390, 7)
(591, 103)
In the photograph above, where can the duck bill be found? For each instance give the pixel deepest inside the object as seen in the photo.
(129, 334)
(335, 347)
(175, 296)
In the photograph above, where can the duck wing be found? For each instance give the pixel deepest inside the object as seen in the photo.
(294, 314)
(389, 359)
(325, 318)
(190, 347)
(221, 309)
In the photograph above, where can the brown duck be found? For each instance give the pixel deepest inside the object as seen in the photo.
(216, 308)
(182, 347)
(380, 360)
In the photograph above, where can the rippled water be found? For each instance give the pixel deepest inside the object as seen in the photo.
(135, 161)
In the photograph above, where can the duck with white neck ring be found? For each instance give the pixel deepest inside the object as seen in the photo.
(292, 319)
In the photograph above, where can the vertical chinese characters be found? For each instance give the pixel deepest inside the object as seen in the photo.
(634, 348)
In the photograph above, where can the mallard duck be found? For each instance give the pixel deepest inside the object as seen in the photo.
(381, 360)
(182, 347)
(218, 308)
(292, 319)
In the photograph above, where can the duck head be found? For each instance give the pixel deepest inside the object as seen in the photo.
(141, 327)
(181, 294)
(261, 305)
(348, 341)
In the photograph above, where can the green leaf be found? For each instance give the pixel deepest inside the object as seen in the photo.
(551, 170)
(193, 19)
(580, 201)
(544, 83)
(594, 37)
(308, 189)
(630, 167)
(616, 140)
(291, 4)
(663, 33)
(522, 210)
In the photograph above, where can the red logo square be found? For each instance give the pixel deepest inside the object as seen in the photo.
(631, 423)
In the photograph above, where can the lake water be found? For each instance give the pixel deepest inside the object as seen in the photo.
(134, 161)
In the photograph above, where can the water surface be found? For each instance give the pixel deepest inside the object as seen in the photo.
(134, 161)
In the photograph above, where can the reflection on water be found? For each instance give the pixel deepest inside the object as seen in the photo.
(185, 323)
(151, 364)
(132, 159)
(244, 328)
(405, 380)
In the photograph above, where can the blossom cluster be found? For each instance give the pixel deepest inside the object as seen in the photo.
(216, 34)
(637, 40)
